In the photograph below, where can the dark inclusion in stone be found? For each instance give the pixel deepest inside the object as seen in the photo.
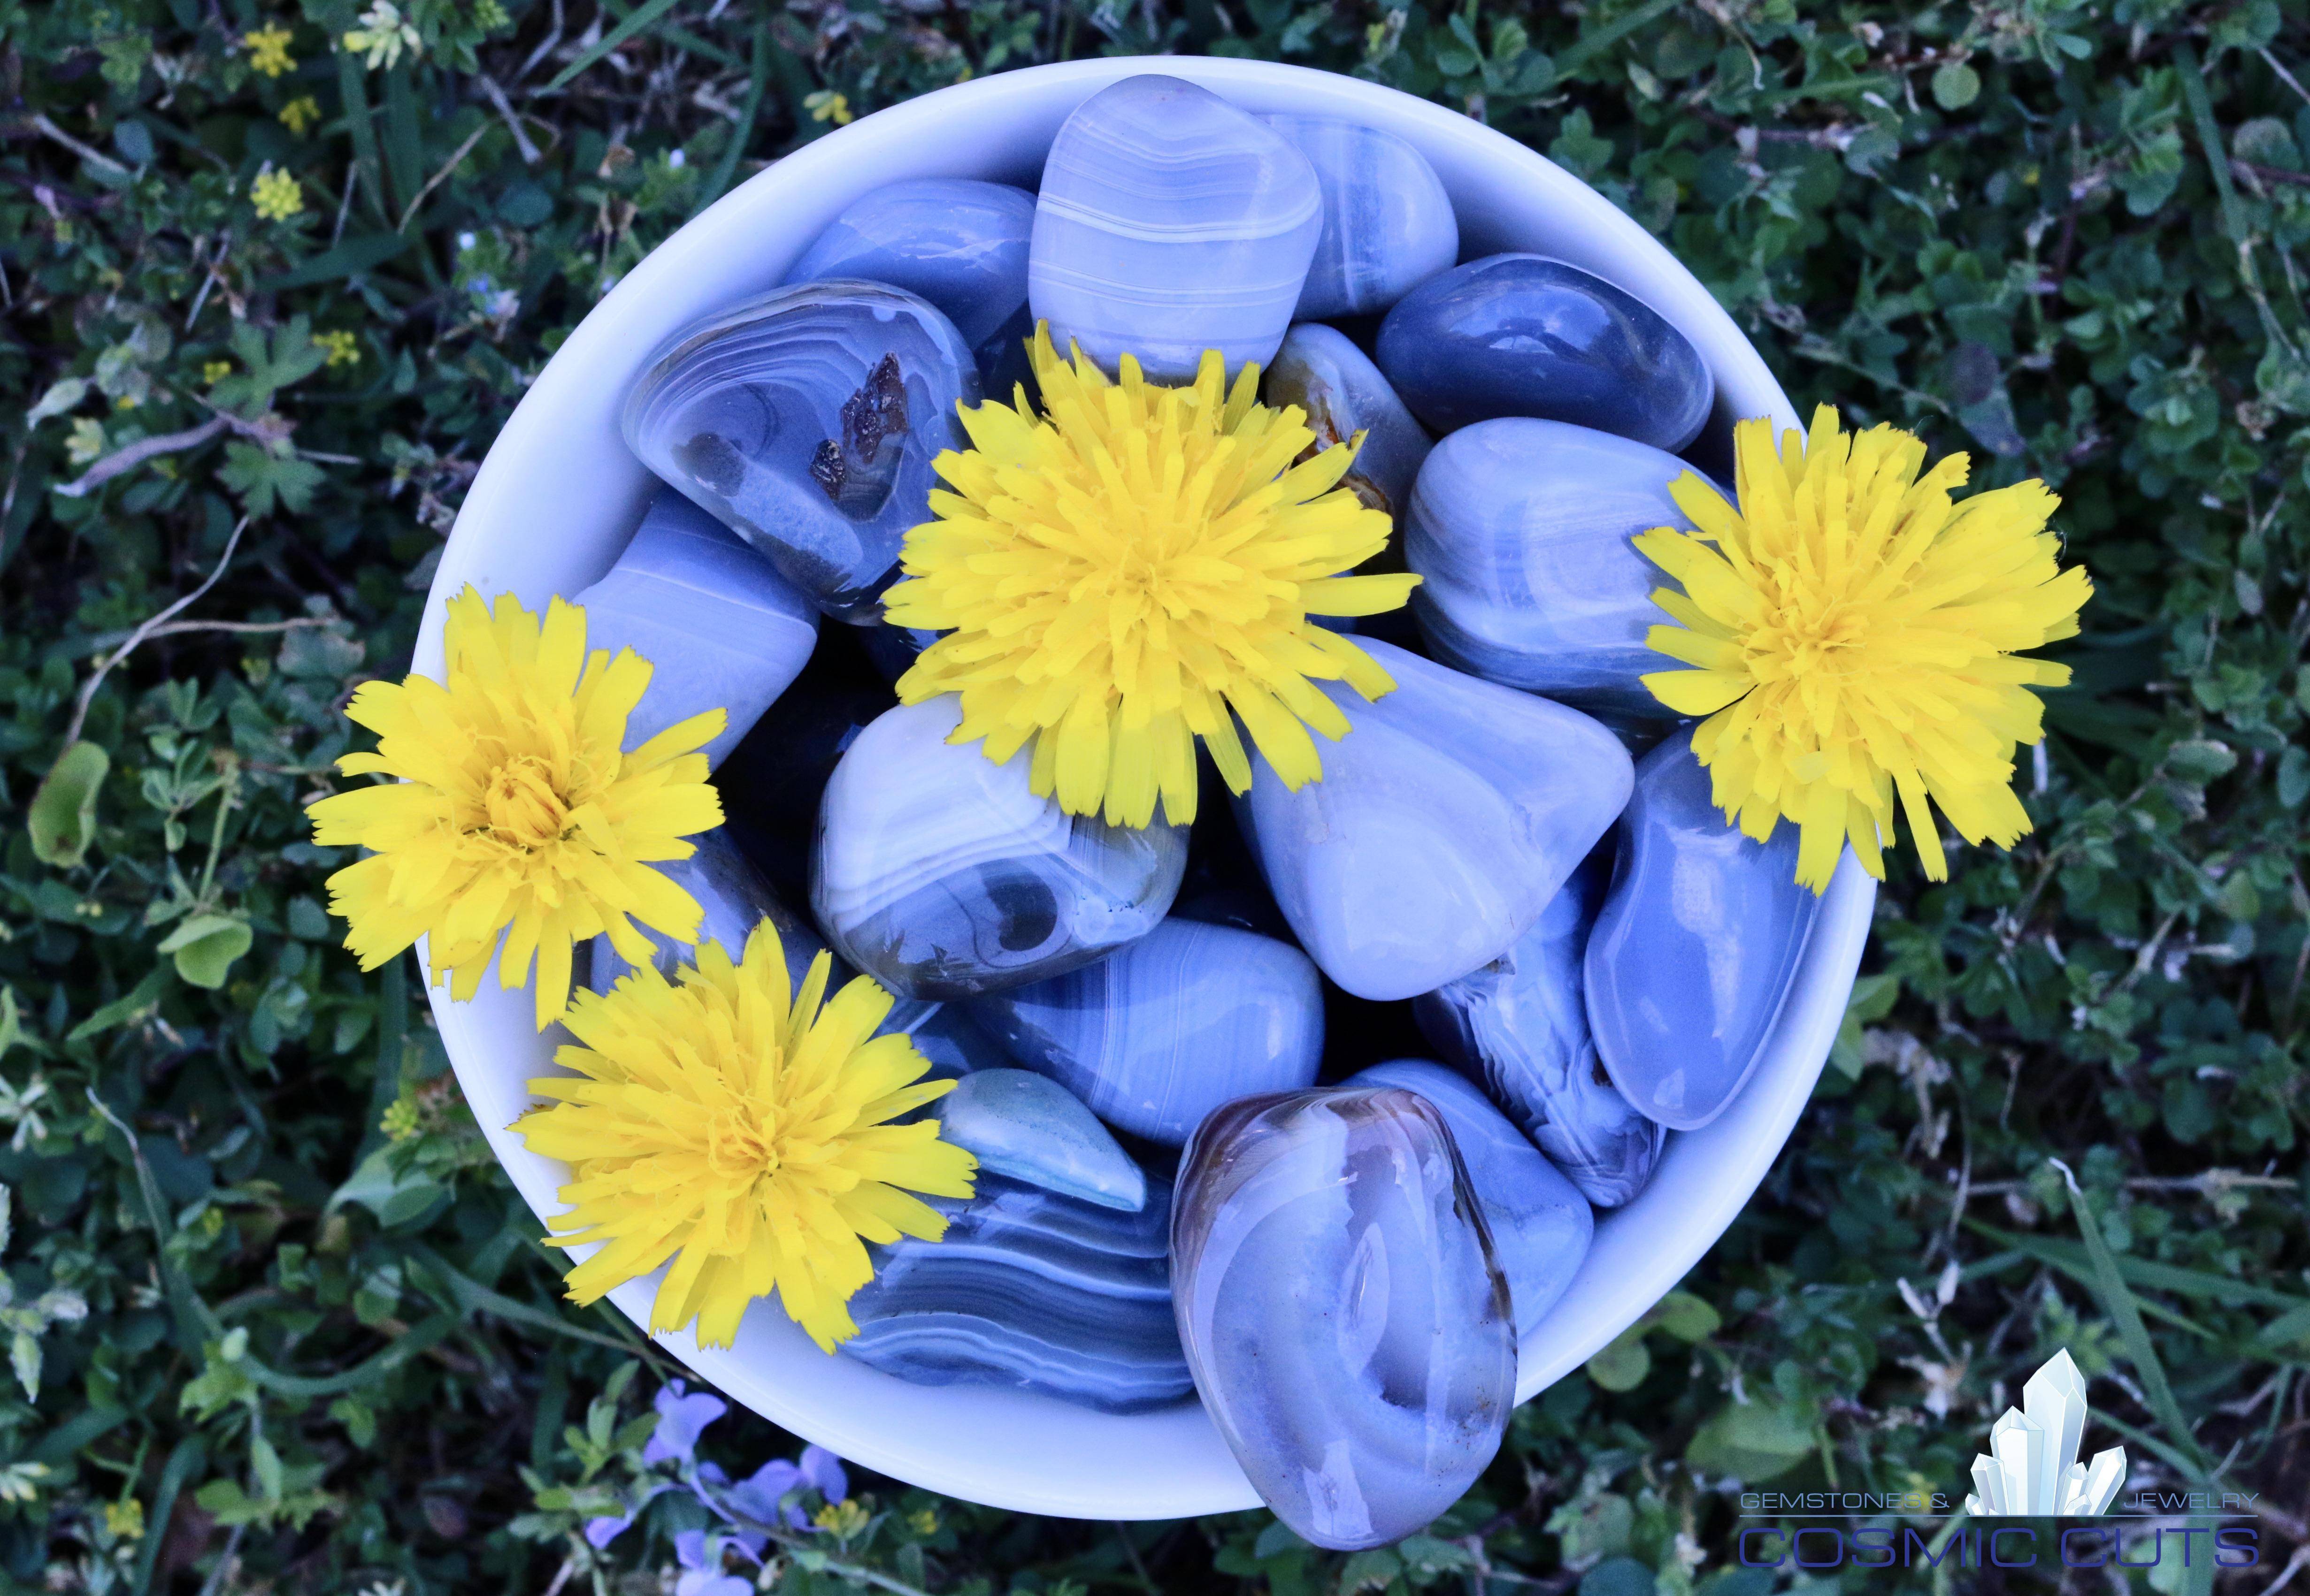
(858, 472)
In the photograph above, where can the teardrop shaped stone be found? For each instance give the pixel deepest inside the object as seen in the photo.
(1387, 223)
(1522, 530)
(720, 628)
(1156, 1035)
(958, 242)
(1032, 1291)
(806, 421)
(1320, 369)
(1029, 1128)
(1696, 948)
(1337, 1297)
(1525, 335)
(1445, 820)
(1170, 222)
(1540, 1226)
(940, 873)
(1520, 1025)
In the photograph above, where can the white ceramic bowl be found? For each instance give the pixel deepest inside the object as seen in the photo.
(559, 496)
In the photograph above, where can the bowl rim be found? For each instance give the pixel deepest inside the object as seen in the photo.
(557, 496)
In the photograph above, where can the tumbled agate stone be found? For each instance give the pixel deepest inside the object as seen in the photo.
(1540, 1226)
(943, 876)
(1387, 224)
(1034, 1291)
(806, 421)
(1525, 335)
(1520, 530)
(1029, 1128)
(958, 242)
(736, 898)
(1445, 820)
(1157, 1034)
(1320, 369)
(1170, 222)
(1696, 948)
(720, 628)
(1349, 1330)
(1520, 1025)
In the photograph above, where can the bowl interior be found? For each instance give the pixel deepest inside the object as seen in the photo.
(559, 495)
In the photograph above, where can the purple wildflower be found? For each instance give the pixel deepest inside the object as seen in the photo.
(681, 1416)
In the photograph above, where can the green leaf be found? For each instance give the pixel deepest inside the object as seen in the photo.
(1956, 86)
(264, 477)
(1617, 1576)
(1623, 1365)
(1872, 999)
(394, 1198)
(62, 819)
(206, 947)
(1685, 1316)
(1753, 1441)
(348, 259)
(122, 1009)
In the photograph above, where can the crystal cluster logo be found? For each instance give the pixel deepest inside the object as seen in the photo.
(2032, 1468)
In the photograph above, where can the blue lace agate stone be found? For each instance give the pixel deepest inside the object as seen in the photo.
(1320, 369)
(1696, 948)
(1157, 1034)
(1387, 224)
(1170, 222)
(941, 875)
(1522, 530)
(1034, 1291)
(1029, 1128)
(1525, 335)
(1445, 821)
(1520, 1025)
(1337, 1296)
(958, 242)
(806, 421)
(1540, 1224)
(720, 628)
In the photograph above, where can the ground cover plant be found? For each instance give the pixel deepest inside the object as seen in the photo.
(270, 280)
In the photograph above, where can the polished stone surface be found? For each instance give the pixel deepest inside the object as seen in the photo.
(1320, 369)
(1525, 335)
(1033, 1291)
(1445, 820)
(1697, 947)
(806, 422)
(1349, 1333)
(736, 898)
(958, 242)
(1520, 530)
(1539, 1223)
(1387, 223)
(941, 875)
(720, 628)
(1520, 1025)
(1031, 1129)
(1157, 1034)
(1170, 222)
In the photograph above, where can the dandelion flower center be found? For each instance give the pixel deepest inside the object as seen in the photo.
(1854, 629)
(1133, 570)
(740, 1133)
(525, 809)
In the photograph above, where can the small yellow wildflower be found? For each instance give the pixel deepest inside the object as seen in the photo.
(126, 401)
(826, 106)
(85, 442)
(1855, 634)
(517, 813)
(343, 347)
(268, 50)
(842, 1519)
(214, 372)
(124, 1520)
(924, 1522)
(382, 34)
(1118, 574)
(738, 1128)
(277, 194)
(301, 114)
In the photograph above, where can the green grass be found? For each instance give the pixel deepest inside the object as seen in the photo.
(276, 1323)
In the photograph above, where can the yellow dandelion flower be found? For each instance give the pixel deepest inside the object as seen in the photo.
(268, 50)
(343, 347)
(301, 114)
(1120, 573)
(1853, 631)
(277, 194)
(515, 811)
(740, 1130)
